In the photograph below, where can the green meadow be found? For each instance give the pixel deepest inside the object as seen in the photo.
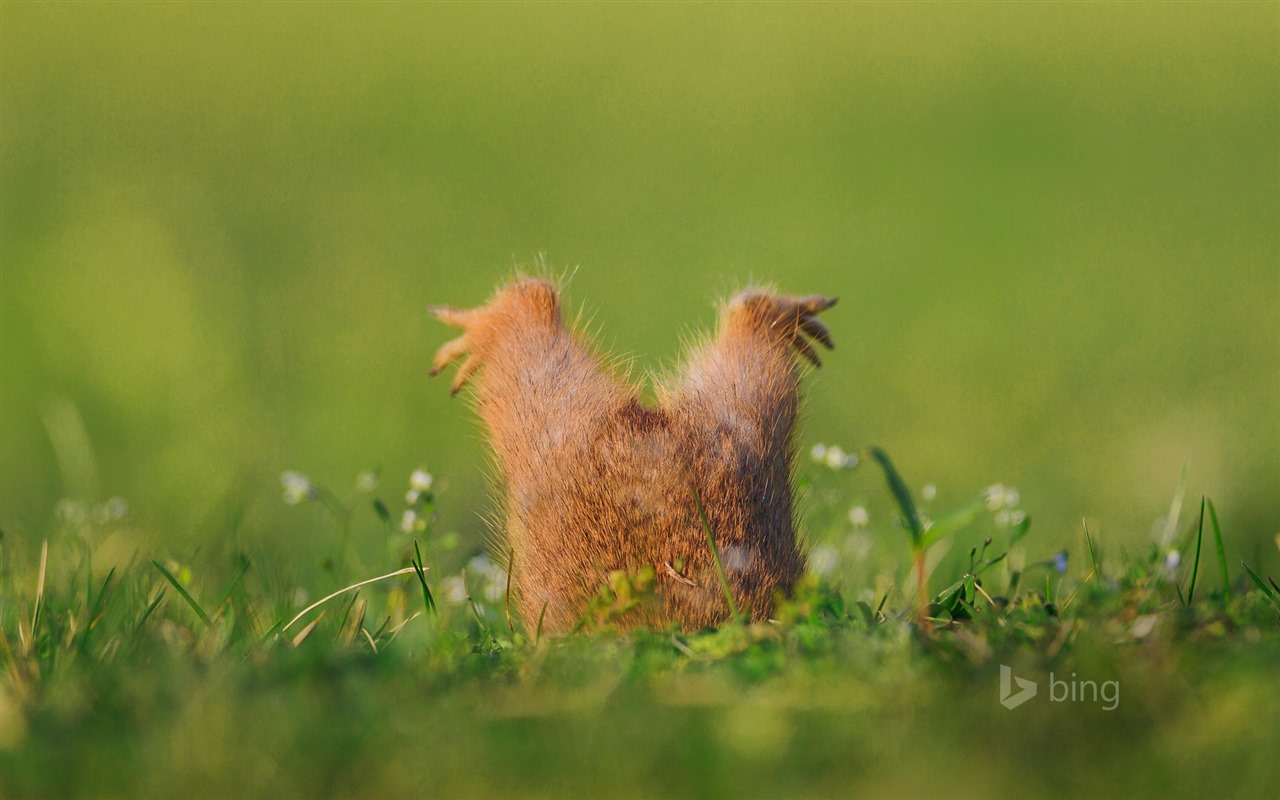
(1055, 232)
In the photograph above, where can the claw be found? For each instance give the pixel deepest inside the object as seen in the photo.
(448, 353)
(465, 371)
(805, 349)
(450, 316)
(814, 327)
(816, 303)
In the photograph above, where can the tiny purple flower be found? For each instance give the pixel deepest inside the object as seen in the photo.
(1060, 561)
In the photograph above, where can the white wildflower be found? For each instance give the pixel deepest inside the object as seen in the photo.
(1002, 518)
(1016, 517)
(75, 512)
(113, 510)
(995, 496)
(420, 480)
(454, 590)
(929, 492)
(819, 452)
(493, 575)
(858, 545)
(483, 566)
(859, 517)
(366, 482)
(1000, 496)
(409, 521)
(836, 458)
(297, 488)
(823, 560)
(1172, 559)
(494, 591)
(411, 497)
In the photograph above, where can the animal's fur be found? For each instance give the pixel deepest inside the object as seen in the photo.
(596, 481)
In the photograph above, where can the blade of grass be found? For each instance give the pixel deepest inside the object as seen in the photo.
(537, 637)
(182, 590)
(35, 615)
(1195, 566)
(1222, 552)
(231, 586)
(96, 609)
(428, 602)
(898, 488)
(945, 526)
(715, 553)
(901, 494)
(88, 578)
(150, 608)
(329, 597)
(1270, 593)
(396, 630)
(511, 560)
(1020, 531)
(306, 630)
(274, 630)
(352, 620)
(346, 633)
(485, 629)
(1093, 554)
(883, 600)
(682, 647)
(386, 623)
(1014, 579)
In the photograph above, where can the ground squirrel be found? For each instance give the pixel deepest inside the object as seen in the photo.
(596, 481)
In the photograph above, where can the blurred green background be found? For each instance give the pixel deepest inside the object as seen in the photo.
(1054, 230)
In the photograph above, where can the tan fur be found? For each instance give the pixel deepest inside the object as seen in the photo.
(595, 481)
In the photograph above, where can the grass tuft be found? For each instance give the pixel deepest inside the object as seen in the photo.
(1272, 593)
(182, 590)
(1195, 566)
(1222, 552)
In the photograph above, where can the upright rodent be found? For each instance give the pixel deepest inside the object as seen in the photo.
(595, 481)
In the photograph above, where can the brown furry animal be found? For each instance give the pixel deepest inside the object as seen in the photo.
(595, 481)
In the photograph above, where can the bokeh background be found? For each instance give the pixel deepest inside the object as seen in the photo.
(1055, 230)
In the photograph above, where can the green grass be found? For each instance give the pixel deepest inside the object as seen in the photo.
(135, 676)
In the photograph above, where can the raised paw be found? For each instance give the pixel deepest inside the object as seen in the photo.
(454, 349)
(513, 311)
(791, 318)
